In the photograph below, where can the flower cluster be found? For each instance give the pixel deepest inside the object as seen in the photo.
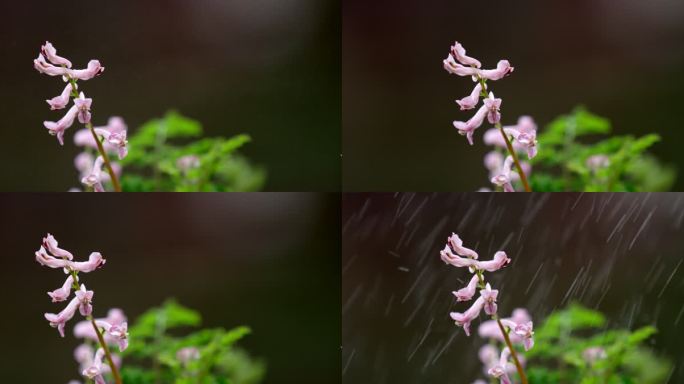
(112, 330)
(88, 355)
(516, 138)
(456, 254)
(49, 63)
(458, 63)
(518, 328)
(106, 139)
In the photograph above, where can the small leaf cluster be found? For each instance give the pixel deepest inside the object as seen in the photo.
(156, 147)
(569, 140)
(152, 355)
(560, 344)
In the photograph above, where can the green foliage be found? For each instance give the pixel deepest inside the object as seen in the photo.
(560, 344)
(561, 164)
(152, 355)
(157, 146)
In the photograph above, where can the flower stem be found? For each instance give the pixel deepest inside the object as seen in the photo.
(523, 178)
(103, 153)
(100, 148)
(115, 370)
(518, 366)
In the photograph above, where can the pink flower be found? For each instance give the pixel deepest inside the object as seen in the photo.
(51, 244)
(525, 133)
(448, 257)
(524, 330)
(50, 52)
(187, 354)
(494, 162)
(503, 179)
(57, 128)
(467, 128)
(61, 101)
(83, 354)
(84, 329)
(60, 66)
(470, 101)
(451, 66)
(499, 261)
(115, 125)
(59, 320)
(188, 162)
(596, 162)
(83, 105)
(493, 105)
(489, 355)
(85, 298)
(44, 259)
(464, 319)
(459, 53)
(493, 137)
(94, 69)
(61, 294)
(95, 369)
(489, 296)
(115, 139)
(457, 245)
(94, 179)
(467, 293)
(83, 162)
(95, 261)
(499, 371)
(44, 67)
(594, 354)
(503, 69)
(118, 332)
(490, 329)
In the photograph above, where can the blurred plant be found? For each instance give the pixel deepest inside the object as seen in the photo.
(510, 330)
(618, 163)
(460, 64)
(206, 356)
(112, 330)
(575, 346)
(207, 164)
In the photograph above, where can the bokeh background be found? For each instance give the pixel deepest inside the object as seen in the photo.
(268, 261)
(621, 59)
(618, 253)
(268, 68)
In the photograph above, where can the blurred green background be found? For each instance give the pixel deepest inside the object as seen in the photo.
(267, 68)
(622, 59)
(268, 261)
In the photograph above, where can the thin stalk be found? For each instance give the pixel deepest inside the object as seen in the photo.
(100, 148)
(103, 153)
(115, 370)
(523, 178)
(518, 366)
(108, 355)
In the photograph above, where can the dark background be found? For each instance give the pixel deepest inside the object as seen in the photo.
(268, 68)
(618, 253)
(621, 59)
(268, 261)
